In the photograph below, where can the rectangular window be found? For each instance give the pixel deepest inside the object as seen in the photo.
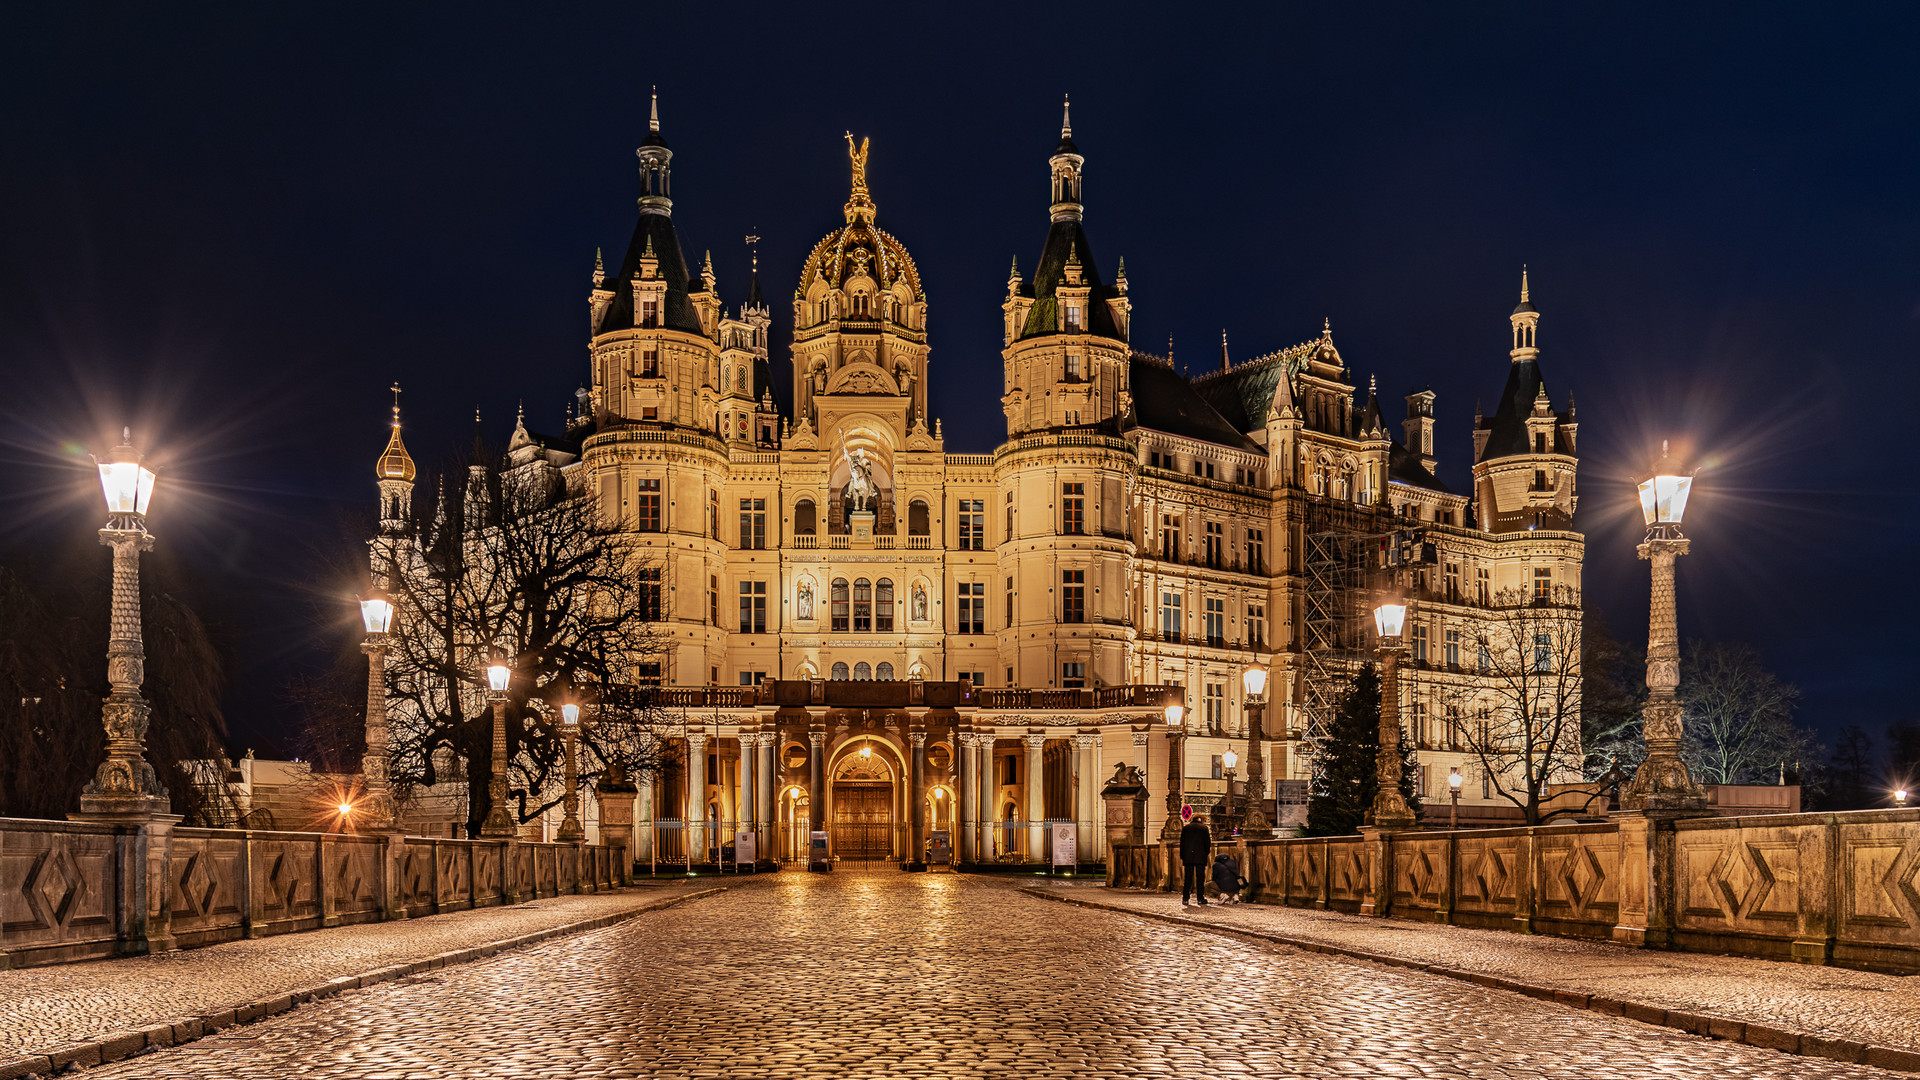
(650, 593)
(972, 607)
(1076, 366)
(646, 516)
(977, 678)
(1420, 642)
(649, 312)
(1218, 767)
(1215, 707)
(1170, 624)
(973, 524)
(753, 524)
(1073, 596)
(1256, 551)
(1451, 582)
(1216, 541)
(1074, 675)
(862, 606)
(752, 678)
(883, 606)
(1542, 653)
(753, 607)
(1073, 509)
(840, 605)
(1170, 537)
(1013, 768)
(1542, 583)
(1483, 585)
(647, 674)
(1452, 656)
(1009, 621)
(1417, 724)
(713, 600)
(1257, 626)
(1216, 620)
(1485, 660)
(649, 363)
(1008, 534)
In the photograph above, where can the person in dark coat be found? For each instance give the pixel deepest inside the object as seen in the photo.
(1226, 878)
(1196, 844)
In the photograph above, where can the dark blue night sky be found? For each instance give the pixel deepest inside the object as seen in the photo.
(234, 228)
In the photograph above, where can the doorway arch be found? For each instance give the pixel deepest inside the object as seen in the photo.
(864, 800)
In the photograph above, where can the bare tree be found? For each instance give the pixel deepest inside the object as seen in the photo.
(1612, 689)
(1521, 718)
(1739, 717)
(514, 560)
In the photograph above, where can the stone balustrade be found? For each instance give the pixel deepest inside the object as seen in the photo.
(82, 890)
(1840, 888)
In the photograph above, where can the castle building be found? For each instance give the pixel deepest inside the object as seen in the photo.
(881, 639)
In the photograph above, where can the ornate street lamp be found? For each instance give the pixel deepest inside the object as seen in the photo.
(1662, 782)
(1454, 780)
(376, 617)
(1390, 810)
(499, 824)
(125, 784)
(570, 830)
(1254, 825)
(1176, 781)
(1900, 798)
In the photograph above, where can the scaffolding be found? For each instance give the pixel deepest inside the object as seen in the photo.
(1350, 553)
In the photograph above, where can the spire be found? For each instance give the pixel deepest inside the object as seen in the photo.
(753, 282)
(395, 463)
(1066, 118)
(1226, 362)
(1526, 324)
(653, 121)
(656, 186)
(599, 267)
(1523, 283)
(1326, 329)
(1066, 164)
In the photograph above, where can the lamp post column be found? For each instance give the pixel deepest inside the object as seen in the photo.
(1390, 809)
(378, 804)
(570, 829)
(1663, 782)
(1176, 749)
(125, 784)
(1254, 824)
(499, 824)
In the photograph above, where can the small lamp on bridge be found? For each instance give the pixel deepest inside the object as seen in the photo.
(1663, 496)
(1454, 780)
(1900, 798)
(127, 484)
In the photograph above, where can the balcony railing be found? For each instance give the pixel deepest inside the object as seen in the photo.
(919, 543)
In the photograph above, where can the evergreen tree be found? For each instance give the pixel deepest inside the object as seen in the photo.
(1344, 781)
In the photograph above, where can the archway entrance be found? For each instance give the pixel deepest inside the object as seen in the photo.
(863, 802)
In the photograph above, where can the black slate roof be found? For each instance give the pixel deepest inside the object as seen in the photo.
(1243, 395)
(1164, 400)
(1509, 424)
(673, 267)
(1062, 238)
(1404, 465)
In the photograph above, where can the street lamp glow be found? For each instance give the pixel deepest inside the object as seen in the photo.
(345, 809)
(570, 714)
(498, 677)
(127, 484)
(1390, 619)
(1454, 779)
(1900, 796)
(376, 612)
(1254, 679)
(1175, 714)
(1663, 496)
(1230, 759)
(866, 751)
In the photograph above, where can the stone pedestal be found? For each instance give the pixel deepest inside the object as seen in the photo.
(860, 525)
(1126, 799)
(616, 823)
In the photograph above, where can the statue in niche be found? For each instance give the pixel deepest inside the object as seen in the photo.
(861, 490)
(805, 600)
(919, 602)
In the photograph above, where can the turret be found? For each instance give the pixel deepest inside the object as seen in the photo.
(395, 472)
(656, 167)
(1067, 165)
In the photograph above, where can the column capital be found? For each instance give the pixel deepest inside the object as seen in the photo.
(1036, 742)
(817, 738)
(1086, 740)
(697, 740)
(918, 739)
(1140, 738)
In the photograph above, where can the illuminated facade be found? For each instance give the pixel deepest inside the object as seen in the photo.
(1137, 529)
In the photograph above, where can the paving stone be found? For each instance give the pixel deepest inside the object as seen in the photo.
(936, 975)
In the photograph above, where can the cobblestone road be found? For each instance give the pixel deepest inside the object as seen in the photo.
(890, 974)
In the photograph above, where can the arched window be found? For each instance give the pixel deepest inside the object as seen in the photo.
(740, 381)
(862, 606)
(884, 672)
(883, 605)
(839, 673)
(840, 604)
(862, 672)
(803, 518)
(917, 518)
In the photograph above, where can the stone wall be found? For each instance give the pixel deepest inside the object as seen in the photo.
(1819, 888)
(83, 890)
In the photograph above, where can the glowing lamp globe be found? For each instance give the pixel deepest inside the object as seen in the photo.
(1230, 759)
(345, 809)
(376, 613)
(570, 714)
(1390, 619)
(1663, 496)
(1254, 679)
(1454, 779)
(127, 484)
(1175, 714)
(499, 676)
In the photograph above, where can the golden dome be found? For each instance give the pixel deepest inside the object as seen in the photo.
(395, 463)
(860, 247)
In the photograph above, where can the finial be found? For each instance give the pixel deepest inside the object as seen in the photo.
(708, 265)
(1523, 283)
(520, 414)
(396, 404)
(1066, 117)
(1123, 266)
(1373, 385)
(1169, 350)
(1073, 252)
(653, 122)
(599, 262)
(753, 245)
(647, 253)
(1663, 448)
(1015, 272)
(476, 414)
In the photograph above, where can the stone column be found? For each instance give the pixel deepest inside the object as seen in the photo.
(746, 806)
(1036, 800)
(816, 784)
(769, 744)
(1390, 809)
(499, 824)
(643, 848)
(1662, 782)
(989, 806)
(965, 839)
(694, 818)
(377, 807)
(917, 791)
(1083, 803)
(1254, 824)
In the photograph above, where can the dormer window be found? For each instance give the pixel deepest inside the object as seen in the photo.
(1076, 367)
(649, 312)
(1075, 316)
(1539, 442)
